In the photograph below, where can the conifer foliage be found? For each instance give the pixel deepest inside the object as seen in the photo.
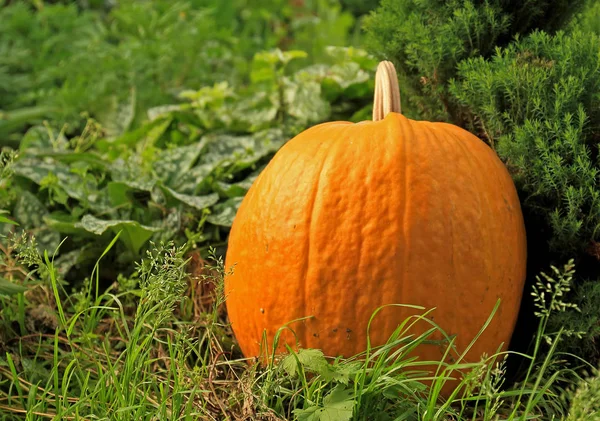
(426, 39)
(537, 102)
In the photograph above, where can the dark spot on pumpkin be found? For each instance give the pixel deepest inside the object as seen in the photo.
(335, 330)
(316, 335)
(348, 330)
(262, 310)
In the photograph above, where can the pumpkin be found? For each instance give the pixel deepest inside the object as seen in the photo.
(347, 218)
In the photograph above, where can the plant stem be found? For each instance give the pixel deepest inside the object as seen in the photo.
(387, 93)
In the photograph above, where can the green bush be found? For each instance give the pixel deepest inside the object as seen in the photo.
(589, 18)
(427, 39)
(537, 103)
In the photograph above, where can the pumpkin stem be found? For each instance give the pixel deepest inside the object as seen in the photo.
(387, 92)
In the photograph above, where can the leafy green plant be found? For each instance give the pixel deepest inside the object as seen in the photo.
(182, 174)
(136, 55)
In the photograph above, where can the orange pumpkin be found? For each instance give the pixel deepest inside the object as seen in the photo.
(349, 217)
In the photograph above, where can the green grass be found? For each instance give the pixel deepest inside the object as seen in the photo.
(156, 345)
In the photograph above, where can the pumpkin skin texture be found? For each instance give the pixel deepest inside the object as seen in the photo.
(349, 217)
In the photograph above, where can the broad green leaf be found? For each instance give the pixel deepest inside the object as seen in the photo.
(316, 72)
(226, 150)
(148, 134)
(209, 96)
(197, 202)
(37, 137)
(230, 190)
(247, 182)
(134, 234)
(292, 55)
(90, 158)
(4, 219)
(117, 117)
(277, 56)
(10, 288)
(269, 57)
(47, 240)
(169, 226)
(266, 63)
(162, 110)
(263, 73)
(66, 261)
(338, 405)
(362, 114)
(256, 112)
(172, 163)
(312, 413)
(224, 213)
(155, 132)
(188, 183)
(76, 187)
(348, 74)
(312, 359)
(29, 210)
(131, 174)
(36, 170)
(342, 373)
(64, 224)
(158, 196)
(342, 75)
(353, 54)
(305, 103)
(346, 79)
(118, 194)
(244, 150)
